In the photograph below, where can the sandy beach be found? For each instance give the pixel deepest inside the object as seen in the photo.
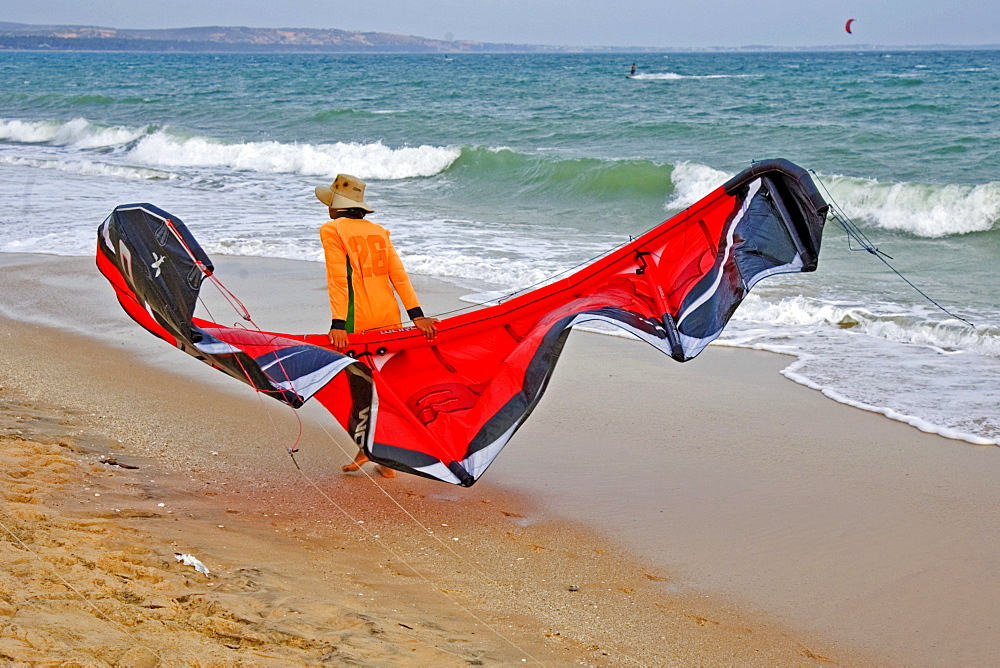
(649, 513)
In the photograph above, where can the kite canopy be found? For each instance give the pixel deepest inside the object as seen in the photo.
(847, 26)
(444, 409)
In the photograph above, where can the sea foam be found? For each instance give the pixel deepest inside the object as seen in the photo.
(367, 161)
(913, 326)
(91, 168)
(673, 76)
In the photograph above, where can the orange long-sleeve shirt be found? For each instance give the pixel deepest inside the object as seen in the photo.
(363, 299)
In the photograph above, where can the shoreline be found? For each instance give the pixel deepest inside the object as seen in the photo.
(763, 505)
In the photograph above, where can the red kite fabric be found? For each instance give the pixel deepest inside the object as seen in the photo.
(444, 409)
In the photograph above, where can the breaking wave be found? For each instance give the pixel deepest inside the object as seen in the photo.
(367, 161)
(78, 133)
(924, 210)
(693, 181)
(159, 147)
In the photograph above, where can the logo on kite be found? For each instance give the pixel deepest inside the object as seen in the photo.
(847, 26)
(359, 431)
(156, 265)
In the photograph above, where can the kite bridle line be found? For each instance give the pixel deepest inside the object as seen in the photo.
(855, 234)
(244, 312)
(381, 543)
(429, 532)
(233, 300)
(241, 309)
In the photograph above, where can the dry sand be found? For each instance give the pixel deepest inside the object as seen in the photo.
(90, 575)
(312, 565)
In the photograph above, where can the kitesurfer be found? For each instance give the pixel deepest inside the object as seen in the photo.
(363, 273)
(632, 73)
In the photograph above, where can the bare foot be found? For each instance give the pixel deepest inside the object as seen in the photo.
(359, 459)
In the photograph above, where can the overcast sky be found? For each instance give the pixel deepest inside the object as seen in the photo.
(656, 23)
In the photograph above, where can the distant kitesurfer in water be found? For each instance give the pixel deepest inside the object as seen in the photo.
(363, 274)
(632, 73)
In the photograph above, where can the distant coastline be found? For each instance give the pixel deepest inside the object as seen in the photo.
(222, 39)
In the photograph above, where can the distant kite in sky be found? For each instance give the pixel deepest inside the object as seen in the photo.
(847, 26)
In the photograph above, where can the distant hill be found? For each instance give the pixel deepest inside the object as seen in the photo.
(220, 38)
(22, 36)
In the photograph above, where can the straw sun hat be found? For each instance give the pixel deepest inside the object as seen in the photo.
(346, 192)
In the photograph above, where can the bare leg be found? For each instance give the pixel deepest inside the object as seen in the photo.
(385, 471)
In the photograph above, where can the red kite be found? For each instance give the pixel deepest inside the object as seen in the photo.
(445, 408)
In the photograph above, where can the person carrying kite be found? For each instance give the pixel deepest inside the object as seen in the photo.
(363, 274)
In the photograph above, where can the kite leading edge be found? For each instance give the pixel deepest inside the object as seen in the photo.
(444, 409)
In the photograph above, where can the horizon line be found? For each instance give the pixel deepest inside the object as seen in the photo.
(745, 47)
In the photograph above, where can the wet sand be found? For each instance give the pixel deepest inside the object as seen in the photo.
(711, 513)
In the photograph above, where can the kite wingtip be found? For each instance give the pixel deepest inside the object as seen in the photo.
(464, 478)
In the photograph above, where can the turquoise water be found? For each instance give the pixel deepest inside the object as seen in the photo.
(498, 171)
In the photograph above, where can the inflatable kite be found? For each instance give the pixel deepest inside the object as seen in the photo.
(445, 408)
(847, 26)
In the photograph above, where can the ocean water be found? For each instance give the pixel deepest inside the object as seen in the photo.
(501, 171)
